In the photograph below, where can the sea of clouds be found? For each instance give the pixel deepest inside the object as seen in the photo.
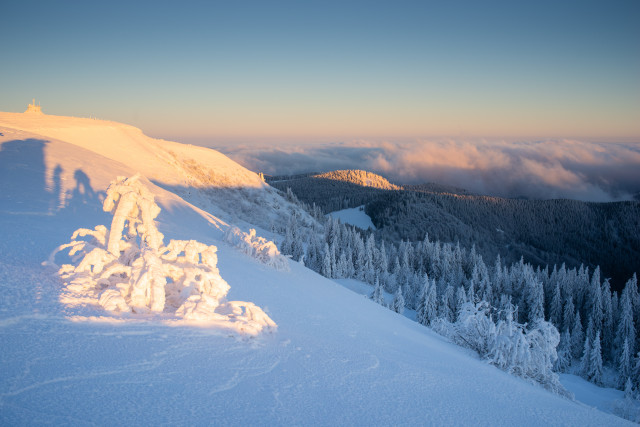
(535, 169)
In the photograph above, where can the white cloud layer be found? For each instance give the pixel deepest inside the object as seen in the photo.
(540, 169)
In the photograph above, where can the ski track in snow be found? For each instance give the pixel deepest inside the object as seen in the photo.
(12, 321)
(138, 367)
(242, 374)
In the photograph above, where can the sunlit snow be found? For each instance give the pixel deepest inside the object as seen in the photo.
(335, 358)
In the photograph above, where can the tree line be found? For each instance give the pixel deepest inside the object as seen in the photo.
(528, 320)
(544, 232)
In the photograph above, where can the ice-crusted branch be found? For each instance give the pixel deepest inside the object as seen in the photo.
(127, 268)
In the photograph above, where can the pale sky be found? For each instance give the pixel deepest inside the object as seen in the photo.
(303, 71)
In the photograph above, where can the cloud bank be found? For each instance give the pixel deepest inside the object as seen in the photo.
(541, 169)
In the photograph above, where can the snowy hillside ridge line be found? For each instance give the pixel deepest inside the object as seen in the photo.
(203, 177)
(126, 144)
(128, 269)
(257, 247)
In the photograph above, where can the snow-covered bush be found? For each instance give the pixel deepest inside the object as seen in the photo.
(474, 328)
(509, 348)
(529, 354)
(257, 247)
(542, 340)
(128, 269)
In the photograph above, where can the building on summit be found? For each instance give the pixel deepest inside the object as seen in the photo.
(33, 108)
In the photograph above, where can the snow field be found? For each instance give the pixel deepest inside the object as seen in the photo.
(354, 216)
(336, 358)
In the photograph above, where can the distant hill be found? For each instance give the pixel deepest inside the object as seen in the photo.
(359, 177)
(336, 190)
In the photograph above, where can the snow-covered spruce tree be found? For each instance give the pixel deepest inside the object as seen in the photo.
(426, 311)
(535, 299)
(608, 328)
(326, 262)
(378, 294)
(128, 269)
(333, 260)
(625, 369)
(568, 317)
(615, 309)
(555, 309)
(585, 362)
(461, 299)
(594, 373)
(421, 309)
(591, 330)
(577, 338)
(398, 301)
(595, 298)
(471, 293)
(626, 329)
(342, 268)
(564, 353)
(432, 301)
(297, 248)
(445, 308)
(285, 245)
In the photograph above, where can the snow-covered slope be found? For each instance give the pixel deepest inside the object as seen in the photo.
(336, 357)
(158, 160)
(206, 177)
